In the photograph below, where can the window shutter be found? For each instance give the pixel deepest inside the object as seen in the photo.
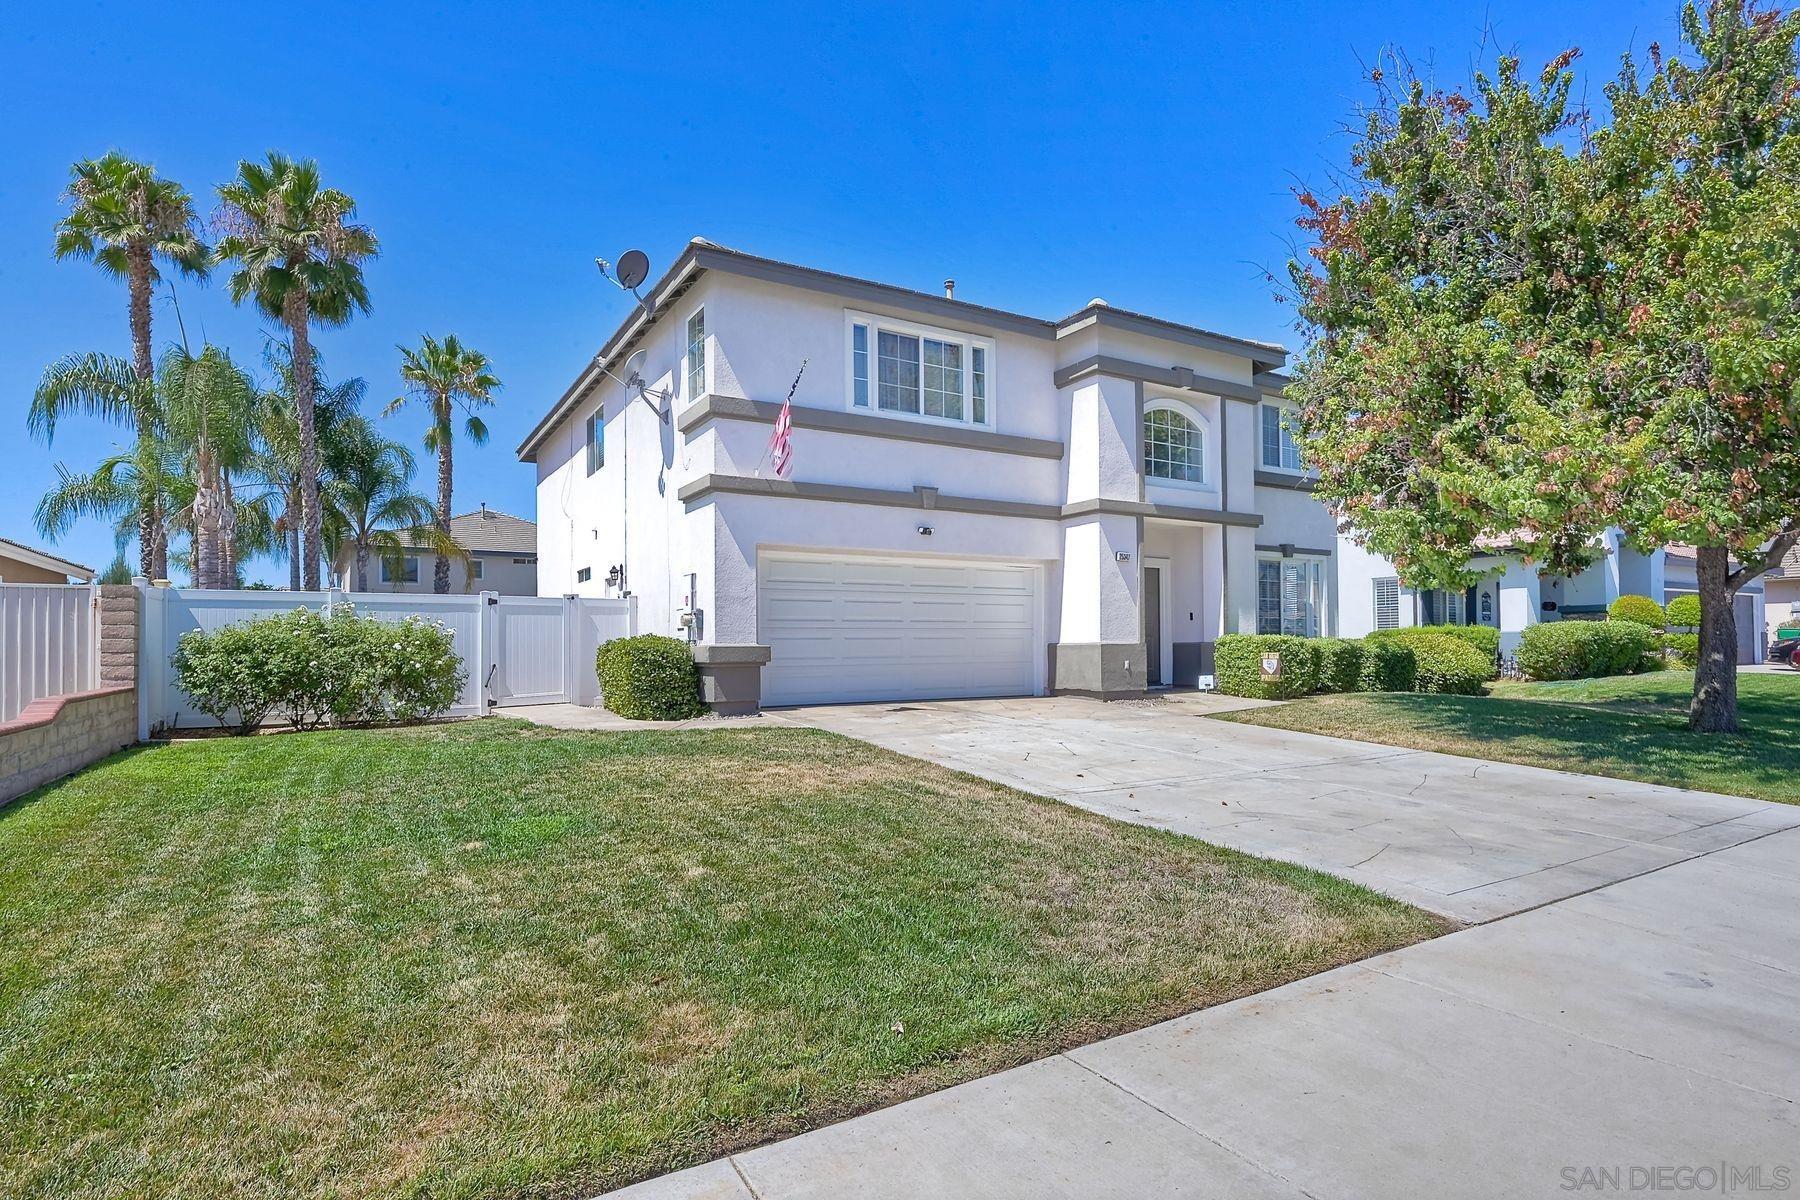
(1387, 603)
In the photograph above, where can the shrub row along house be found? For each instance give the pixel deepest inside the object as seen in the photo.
(981, 502)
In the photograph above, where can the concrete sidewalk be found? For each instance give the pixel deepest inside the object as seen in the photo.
(1654, 1023)
(1464, 837)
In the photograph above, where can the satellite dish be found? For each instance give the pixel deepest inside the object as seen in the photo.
(634, 369)
(633, 268)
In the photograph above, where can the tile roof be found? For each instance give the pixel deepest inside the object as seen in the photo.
(492, 531)
(43, 558)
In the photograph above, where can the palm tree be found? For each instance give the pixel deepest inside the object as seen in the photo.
(206, 402)
(148, 474)
(274, 465)
(124, 218)
(368, 501)
(299, 256)
(444, 376)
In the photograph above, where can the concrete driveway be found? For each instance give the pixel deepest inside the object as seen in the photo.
(1470, 839)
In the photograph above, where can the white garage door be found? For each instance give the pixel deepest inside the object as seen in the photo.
(850, 628)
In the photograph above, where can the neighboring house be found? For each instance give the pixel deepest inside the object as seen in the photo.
(980, 502)
(20, 563)
(1781, 592)
(502, 558)
(1513, 594)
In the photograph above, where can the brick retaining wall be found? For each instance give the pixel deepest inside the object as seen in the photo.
(59, 735)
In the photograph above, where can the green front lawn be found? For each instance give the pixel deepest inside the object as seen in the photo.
(495, 960)
(1630, 727)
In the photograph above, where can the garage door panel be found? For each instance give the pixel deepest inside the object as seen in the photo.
(856, 629)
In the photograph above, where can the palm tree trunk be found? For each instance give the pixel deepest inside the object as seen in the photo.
(159, 538)
(298, 316)
(1714, 708)
(142, 361)
(440, 574)
(293, 541)
(206, 527)
(362, 565)
(228, 562)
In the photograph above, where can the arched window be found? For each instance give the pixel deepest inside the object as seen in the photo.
(1174, 447)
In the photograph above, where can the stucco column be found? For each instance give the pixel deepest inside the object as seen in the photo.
(1101, 651)
(1521, 600)
(1238, 570)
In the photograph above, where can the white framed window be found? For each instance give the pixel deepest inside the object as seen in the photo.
(1290, 595)
(918, 372)
(1387, 602)
(1174, 446)
(477, 570)
(1438, 607)
(583, 575)
(1280, 452)
(596, 440)
(696, 354)
(408, 573)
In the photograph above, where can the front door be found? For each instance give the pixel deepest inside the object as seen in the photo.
(1153, 649)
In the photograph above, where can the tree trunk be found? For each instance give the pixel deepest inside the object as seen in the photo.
(293, 541)
(228, 559)
(440, 574)
(362, 566)
(144, 364)
(298, 315)
(1714, 708)
(206, 524)
(159, 557)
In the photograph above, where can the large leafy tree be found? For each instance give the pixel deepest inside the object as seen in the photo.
(446, 376)
(297, 252)
(129, 221)
(1531, 323)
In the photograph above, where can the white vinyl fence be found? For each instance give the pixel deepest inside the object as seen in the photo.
(49, 642)
(515, 649)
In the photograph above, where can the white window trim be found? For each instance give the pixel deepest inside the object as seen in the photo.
(1325, 585)
(1208, 443)
(706, 355)
(969, 343)
(1284, 408)
(477, 569)
(593, 438)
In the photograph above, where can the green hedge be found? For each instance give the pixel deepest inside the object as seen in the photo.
(1340, 664)
(1586, 649)
(1484, 638)
(1683, 612)
(1443, 662)
(345, 669)
(1640, 609)
(1237, 665)
(1685, 647)
(649, 678)
(1387, 666)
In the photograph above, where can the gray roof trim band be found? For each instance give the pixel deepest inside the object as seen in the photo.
(1171, 377)
(737, 408)
(1165, 512)
(1295, 483)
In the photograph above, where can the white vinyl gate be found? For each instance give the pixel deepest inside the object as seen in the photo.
(516, 650)
(49, 642)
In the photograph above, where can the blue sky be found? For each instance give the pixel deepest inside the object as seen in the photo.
(1042, 157)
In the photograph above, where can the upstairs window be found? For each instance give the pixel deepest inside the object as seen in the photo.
(596, 440)
(696, 355)
(1279, 450)
(408, 571)
(1174, 447)
(911, 371)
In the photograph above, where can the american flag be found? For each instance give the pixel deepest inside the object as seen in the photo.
(781, 443)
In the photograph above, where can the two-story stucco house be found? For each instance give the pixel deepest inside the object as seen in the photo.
(980, 502)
